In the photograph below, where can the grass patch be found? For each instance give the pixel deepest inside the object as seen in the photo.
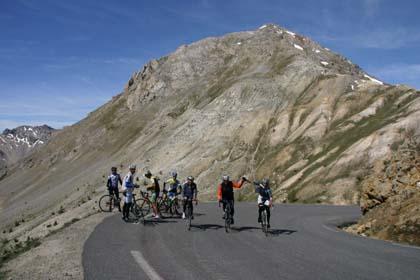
(65, 225)
(341, 141)
(10, 251)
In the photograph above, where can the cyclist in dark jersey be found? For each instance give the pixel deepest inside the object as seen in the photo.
(189, 193)
(225, 193)
(265, 198)
(112, 184)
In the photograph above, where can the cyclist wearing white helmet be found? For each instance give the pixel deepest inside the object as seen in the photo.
(225, 192)
(174, 186)
(128, 188)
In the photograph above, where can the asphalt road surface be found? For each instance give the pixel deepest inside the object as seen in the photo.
(304, 243)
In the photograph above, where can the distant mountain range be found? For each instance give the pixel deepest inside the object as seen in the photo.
(16, 143)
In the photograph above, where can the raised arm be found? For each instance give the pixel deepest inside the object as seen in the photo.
(238, 184)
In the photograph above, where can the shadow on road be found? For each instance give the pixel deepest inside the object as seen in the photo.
(154, 222)
(281, 231)
(207, 227)
(274, 232)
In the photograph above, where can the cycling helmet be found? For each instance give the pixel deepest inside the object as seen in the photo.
(132, 166)
(190, 178)
(225, 178)
(174, 174)
(265, 182)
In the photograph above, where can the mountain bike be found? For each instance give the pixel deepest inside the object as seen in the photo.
(108, 202)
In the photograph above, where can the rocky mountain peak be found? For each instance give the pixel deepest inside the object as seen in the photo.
(18, 142)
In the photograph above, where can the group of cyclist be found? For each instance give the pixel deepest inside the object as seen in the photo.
(173, 188)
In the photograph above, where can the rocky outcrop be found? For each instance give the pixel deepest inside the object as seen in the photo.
(390, 198)
(16, 143)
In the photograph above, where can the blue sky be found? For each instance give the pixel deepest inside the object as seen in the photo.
(61, 59)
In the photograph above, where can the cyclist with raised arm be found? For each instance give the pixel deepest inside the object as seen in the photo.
(153, 186)
(265, 198)
(128, 189)
(112, 185)
(225, 193)
(189, 193)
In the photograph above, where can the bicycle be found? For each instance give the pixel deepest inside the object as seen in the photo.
(264, 220)
(140, 208)
(174, 206)
(108, 202)
(147, 204)
(168, 205)
(228, 216)
(189, 213)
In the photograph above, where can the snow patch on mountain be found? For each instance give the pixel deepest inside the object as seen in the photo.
(298, 47)
(373, 79)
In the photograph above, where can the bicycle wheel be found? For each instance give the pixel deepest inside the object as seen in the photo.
(136, 211)
(189, 217)
(264, 222)
(163, 207)
(228, 218)
(106, 203)
(144, 206)
(174, 208)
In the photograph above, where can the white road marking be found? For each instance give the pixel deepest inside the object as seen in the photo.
(151, 273)
(330, 229)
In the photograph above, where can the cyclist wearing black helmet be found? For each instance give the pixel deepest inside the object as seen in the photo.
(265, 198)
(112, 185)
(189, 193)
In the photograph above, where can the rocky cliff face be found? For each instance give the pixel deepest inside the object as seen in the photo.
(266, 102)
(391, 195)
(16, 143)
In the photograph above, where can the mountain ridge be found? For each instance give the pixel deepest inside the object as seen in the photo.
(18, 142)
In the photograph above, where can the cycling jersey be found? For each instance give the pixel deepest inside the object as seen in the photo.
(113, 181)
(128, 186)
(153, 185)
(174, 185)
(189, 190)
(264, 195)
(225, 189)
